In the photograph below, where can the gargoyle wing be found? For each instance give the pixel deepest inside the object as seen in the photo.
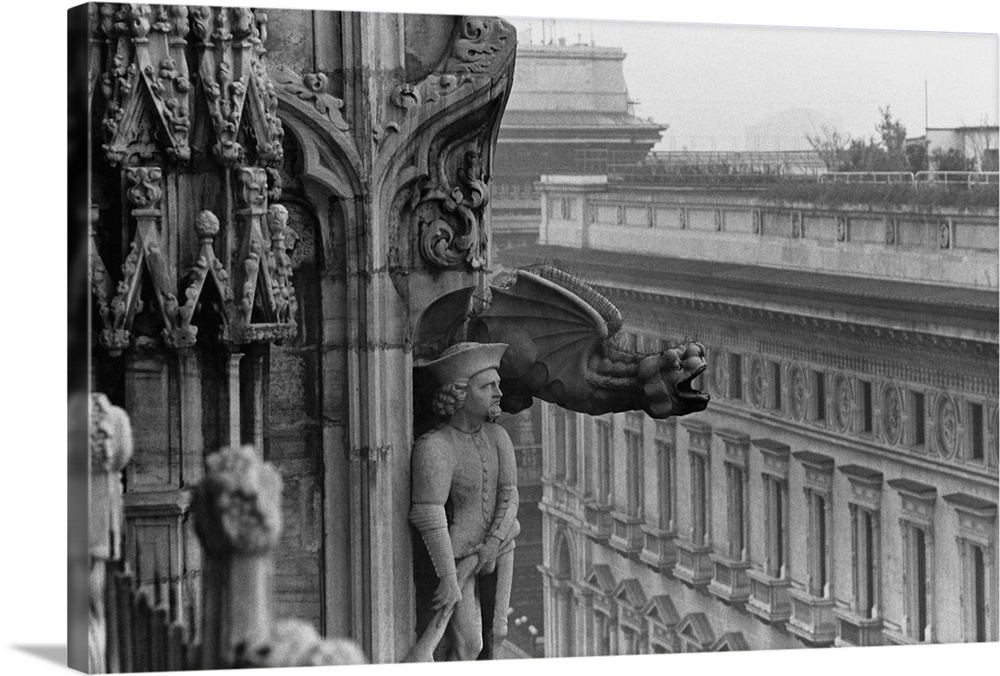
(552, 322)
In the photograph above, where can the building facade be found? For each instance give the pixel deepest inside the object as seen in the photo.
(841, 488)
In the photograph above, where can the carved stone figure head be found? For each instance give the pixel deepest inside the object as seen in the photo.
(467, 375)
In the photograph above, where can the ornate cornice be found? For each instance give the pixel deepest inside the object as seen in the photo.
(866, 332)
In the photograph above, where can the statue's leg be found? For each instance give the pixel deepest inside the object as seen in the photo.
(505, 577)
(466, 624)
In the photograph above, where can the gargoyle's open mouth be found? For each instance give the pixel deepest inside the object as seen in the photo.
(686, 391)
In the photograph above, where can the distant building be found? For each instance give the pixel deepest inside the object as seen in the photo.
(568, 113)
(841, 488)
(977, 145)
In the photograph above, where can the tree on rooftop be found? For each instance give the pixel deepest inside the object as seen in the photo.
(886, 152)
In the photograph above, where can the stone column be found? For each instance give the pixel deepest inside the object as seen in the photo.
(238, 521)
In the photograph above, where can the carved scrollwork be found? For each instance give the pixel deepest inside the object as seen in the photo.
(892, 414)
(479, 40)
(451, 230)
(314, 87)
(481, 47)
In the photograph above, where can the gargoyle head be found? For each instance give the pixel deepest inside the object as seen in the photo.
(666, 381)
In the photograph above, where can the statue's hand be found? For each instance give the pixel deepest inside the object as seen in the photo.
(488, 552)
(448, 593)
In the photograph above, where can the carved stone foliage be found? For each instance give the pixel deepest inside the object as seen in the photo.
(798, 392)
(179, 86)
(158, 65)
(947, 425)
(449, 218)
(479, 46)
(892, 414)
(843, 402)
(313, 87)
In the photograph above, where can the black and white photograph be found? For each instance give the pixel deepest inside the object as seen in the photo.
(407, 335)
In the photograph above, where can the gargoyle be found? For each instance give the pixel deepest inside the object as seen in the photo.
(562, 350)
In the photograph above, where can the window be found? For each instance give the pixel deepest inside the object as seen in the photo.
(604, 482)
(665, 470)
(819, 381)
(975, 589)
(699, 498)
(819, 543)
(776, 526)
(866, 574)
(736, 493)
(918, 422)
(735, 376)
(571, 447)
(775, 373)
(866, 406)
(916, 552)
(633, 464)
(602, 634)
(559, 430)
(976, 444)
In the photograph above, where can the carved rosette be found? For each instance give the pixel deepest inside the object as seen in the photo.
(798, 392)
(720, 373)
(843, 395)
(757, 385)
(944, 235)
(947, 425)
(892, 414)
(450, 227)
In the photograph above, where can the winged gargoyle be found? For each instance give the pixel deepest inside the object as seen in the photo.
(562, 347)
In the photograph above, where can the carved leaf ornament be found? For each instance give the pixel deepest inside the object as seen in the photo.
(453, 231)
(176, 83)
(313, 87)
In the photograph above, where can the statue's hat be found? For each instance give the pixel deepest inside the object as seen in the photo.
(464, 360)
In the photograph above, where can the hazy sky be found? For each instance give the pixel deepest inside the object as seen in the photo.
(709, 82)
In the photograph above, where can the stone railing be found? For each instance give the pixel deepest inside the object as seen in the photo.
(237, 510)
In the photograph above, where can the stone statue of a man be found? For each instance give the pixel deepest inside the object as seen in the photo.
(464, 499)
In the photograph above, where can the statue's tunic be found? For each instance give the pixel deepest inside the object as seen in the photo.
(474, 486)
(474, 482)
